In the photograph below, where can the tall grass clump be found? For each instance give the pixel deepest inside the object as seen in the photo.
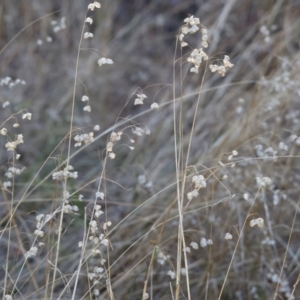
(146, 154)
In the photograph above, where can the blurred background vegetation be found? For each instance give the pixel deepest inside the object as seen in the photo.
(256, 103)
